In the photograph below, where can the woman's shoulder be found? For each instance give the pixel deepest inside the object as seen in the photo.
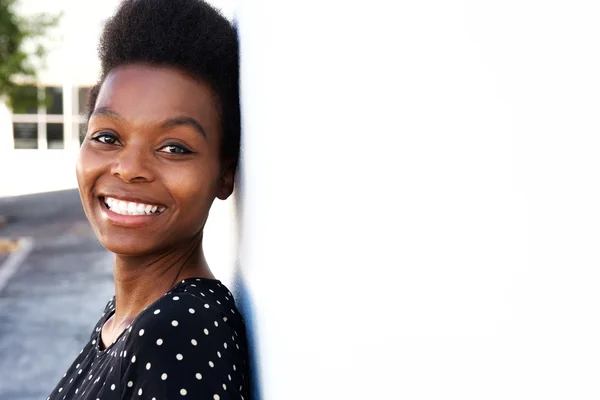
(192, 306)
(193, 338)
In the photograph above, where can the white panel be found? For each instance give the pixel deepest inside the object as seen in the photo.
(420, 213)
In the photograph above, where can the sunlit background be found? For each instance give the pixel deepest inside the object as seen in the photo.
(419, 210)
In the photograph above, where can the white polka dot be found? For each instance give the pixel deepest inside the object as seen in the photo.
(179, 357)
(198, 376)
(237, 346)
(219, 354)
(206, 331)
(176, 298)
(112, 387)
(133, 359)
(228, 376)
(125, 353)
(90, 378)
(174, 322)
(183, 392)
(129, 384)
(225, 319)
(206, 306)
(156, 312)
(203, 294)
(140, 392)
(194, 342)
(216, 323)
(218, 302)
(80, 371)
(217, 397)
(224, 387)
(94, 341)
(225, 344)
(142, 332)
(159, 342)
(211, 364)
(191, 310)
(77, 366)
(148, 366)
(59, 390)
(234, 367)
(210, 290)
(163, 377)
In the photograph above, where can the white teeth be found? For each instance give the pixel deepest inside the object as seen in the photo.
(131, 208)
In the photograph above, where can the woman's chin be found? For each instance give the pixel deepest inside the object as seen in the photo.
(129, 247)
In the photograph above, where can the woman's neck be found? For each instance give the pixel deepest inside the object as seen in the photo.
(139, 281)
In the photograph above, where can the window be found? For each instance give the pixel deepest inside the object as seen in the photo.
(41, 120)
(55, 135)
(26, 135)
(29, 100)
(54, 100)
(83, 94)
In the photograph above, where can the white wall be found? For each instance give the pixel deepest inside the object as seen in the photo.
(420, 214)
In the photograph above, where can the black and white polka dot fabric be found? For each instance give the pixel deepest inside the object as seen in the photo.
(189, 344)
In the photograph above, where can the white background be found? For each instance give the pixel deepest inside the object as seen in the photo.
(420, 214)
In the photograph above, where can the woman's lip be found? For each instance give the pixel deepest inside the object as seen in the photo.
(127, 221)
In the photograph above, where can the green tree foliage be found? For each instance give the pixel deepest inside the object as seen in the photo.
(17, 65)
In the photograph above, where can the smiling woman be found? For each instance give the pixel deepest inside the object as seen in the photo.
(162, 144)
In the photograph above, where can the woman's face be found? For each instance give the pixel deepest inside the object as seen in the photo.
(149, 167)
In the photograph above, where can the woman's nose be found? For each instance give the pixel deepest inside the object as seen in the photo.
(133, 164)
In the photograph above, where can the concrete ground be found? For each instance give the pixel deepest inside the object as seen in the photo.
(49, 306)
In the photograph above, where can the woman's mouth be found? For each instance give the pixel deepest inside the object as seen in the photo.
(122, 207)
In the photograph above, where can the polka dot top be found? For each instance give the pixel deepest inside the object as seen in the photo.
(188, 344)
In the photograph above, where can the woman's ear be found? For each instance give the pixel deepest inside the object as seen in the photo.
(226, 181)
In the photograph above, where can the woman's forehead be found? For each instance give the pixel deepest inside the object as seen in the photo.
(156, 93)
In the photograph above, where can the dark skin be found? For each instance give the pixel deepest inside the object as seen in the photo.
(154, 138)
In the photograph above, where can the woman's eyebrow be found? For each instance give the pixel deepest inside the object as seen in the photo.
(106, 112)
(183, 120)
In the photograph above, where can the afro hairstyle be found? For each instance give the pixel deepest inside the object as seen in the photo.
(189, 35)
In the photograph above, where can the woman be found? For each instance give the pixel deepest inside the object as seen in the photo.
(162, 143)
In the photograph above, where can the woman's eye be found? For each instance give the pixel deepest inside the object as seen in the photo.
(174, 149)
(106, 138)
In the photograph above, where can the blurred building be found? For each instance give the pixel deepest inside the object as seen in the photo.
(38, 146)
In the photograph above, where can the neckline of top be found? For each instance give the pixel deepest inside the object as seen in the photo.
(98, 335)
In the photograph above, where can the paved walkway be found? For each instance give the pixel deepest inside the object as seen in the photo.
(50, 305)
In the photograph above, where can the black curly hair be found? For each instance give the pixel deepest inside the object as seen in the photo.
(187, 34)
